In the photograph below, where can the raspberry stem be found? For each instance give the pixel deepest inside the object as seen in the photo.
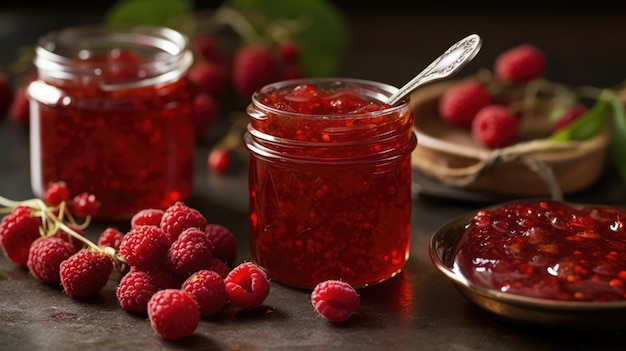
(51, 223)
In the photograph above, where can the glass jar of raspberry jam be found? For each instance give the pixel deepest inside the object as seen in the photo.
(111, 115)
(329, 181)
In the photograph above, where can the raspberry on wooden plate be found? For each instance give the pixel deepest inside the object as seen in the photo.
(460, 103)
(495, 127)
(520, 64)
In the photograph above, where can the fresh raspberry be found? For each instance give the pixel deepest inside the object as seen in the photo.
(335, 300)
(520, 64)
(219, 160)
(148, 216)
(57, 192)
(218, 266)
(45, 257)
(18, 230)
(253, 67)
(190, 252)
(19, 110)
(85, 205)
(135, 290)
(163, 277)
(85, 273)
(144, 247)
(179, 217)
(208, 47)
(460, 103)
(173, 314)
(208, 289)
(6, 95)
(205, 113)
(494, 127)
(76, 242)
(289, 52)
(111, 237)
(247, 286)
(568, 116)
(224, 242)
(208, 77)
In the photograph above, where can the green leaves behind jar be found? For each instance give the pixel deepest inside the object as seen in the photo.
(147, 12)
(594, 121)
(323, 35)
(321, 32)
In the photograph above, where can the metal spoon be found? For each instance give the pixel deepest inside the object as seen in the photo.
(449, 63)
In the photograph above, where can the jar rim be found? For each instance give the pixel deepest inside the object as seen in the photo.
(377, 90)
(166, 50)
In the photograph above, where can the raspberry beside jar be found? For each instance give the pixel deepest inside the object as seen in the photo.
(111, 115)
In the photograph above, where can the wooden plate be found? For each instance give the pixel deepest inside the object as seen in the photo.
(449, 155)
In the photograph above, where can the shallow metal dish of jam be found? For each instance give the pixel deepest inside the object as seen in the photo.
(517, 308)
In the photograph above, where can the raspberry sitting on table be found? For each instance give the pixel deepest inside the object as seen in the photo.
(18, 230)
(135, 290)
(173, 314)
(247, 286)
(209, 291)
(335, 300)
(45, 257)
(179, 217)
(144, 247)
(148, 216)
(85, 273)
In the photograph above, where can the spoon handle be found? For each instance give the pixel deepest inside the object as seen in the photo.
(449, 63)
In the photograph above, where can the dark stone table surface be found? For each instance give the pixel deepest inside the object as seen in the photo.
(418, 309)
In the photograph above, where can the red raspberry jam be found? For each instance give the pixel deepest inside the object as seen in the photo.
(546, 250)
(111, 115)
(329, 181)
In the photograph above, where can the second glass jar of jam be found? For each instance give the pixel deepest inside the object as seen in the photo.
(329, 181)
(111, 115)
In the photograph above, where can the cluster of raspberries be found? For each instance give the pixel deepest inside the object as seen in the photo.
(180, 270)
(176, 266)
(472, 104)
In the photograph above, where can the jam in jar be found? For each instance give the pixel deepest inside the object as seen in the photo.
(329, 181)
(111, 115)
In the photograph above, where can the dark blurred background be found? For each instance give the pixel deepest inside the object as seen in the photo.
(586, 38)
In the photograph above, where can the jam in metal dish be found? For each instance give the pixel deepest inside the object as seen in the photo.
(546, 249)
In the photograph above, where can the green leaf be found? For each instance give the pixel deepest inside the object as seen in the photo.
(147, 12)
(321, 41)
(589, 124)
(618, 137)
